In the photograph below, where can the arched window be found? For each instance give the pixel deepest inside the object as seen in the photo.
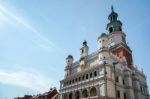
(84, 94)
(110, 29)
(120, 29)
(65, 96)
(77, 95)
(93, 92)
(82, 51)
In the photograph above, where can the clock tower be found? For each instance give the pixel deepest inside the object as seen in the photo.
(117, 38)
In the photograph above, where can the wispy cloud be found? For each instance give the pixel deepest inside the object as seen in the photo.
(14, 19)
(32, 80)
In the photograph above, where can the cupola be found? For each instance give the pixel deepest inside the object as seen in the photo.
(114, 24)
(84, 49)
(69, 60)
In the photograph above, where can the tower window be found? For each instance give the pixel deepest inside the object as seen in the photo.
(114, 18)
(82, 51)
(111, 19)
(110, 29)
(120, 29)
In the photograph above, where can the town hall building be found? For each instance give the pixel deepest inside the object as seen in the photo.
(107, 73)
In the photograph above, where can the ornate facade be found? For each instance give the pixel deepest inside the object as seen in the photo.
(108, 73)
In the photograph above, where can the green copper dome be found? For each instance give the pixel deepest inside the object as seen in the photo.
(113, 15)
(114, 24)
(69, 57)
(103, 34)
(85, 43)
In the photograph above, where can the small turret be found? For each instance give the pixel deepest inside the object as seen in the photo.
(84, 50)
(102, 41)
(114, 25)
(69, 60)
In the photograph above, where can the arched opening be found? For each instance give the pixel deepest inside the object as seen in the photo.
(77, 95)
(84, 94)
(110, 29)
(70, 96)
(65, 96)
(93, 92)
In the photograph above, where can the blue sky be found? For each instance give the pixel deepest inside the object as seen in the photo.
(37, 35)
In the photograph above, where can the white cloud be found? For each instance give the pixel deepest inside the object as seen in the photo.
(14, 19)
(32, 80)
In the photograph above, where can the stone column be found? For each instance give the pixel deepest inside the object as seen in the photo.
(128, 81)
(61, 96)
(88, 91)
(73, 95)
(80, 93)
(98, 90)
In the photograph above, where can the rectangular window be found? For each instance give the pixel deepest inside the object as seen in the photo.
(73, 81)
(76, 79)
(118, 94)
(123, 81)
(95, 74)
(86, 76)
(79, 78)
(82, 77)
(90, 75)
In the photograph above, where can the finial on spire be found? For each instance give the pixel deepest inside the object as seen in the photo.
(112, 8)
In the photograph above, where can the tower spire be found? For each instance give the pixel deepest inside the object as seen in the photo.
(114, 24)
(112, 8)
